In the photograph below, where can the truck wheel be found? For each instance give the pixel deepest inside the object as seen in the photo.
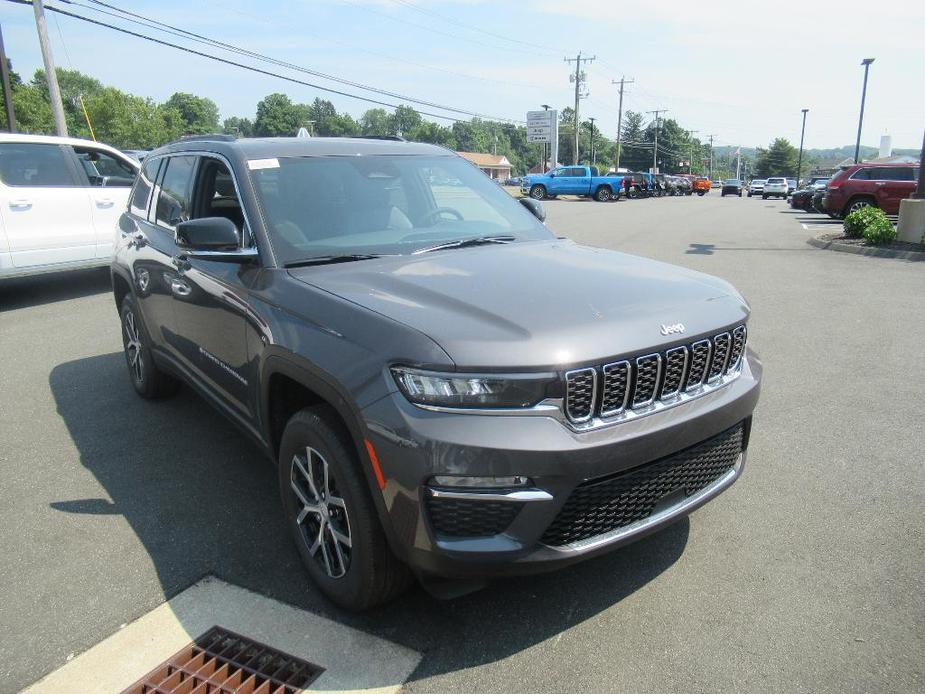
(538, 192)
(700, 193)
(764, 197)
(602, 194)
(148, 380)
(331, 515)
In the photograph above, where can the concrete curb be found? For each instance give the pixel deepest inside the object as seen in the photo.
(866, 250)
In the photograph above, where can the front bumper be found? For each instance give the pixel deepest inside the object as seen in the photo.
(413, 444)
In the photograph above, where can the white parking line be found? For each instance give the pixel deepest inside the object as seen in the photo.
(353, 661)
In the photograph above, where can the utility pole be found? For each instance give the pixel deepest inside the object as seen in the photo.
(54, 94)
(622, 81)
(800, 159)
(690, 163)
(857, 146)
(592, 119)
(578, 78)
(711, 158)
(7, 90)
(655, 150)
(738, 162)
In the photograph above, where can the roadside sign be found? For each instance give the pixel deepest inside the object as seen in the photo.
(542, 126)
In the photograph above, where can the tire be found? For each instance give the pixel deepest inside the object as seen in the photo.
(700, 193)
(858, 204)
(602, 194)
(764, 197)
(358, 570)
(538, 192)
(740, 195)
(147, 379)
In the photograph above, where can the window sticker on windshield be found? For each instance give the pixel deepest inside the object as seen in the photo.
(256, 164)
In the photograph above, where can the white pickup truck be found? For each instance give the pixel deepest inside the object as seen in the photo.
(60, 201)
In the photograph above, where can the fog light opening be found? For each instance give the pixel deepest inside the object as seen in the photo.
(480, 482)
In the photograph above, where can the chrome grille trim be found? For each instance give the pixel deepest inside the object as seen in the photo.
(576, 398)
(643, 362)
(692, 382)
(738, 348)
(616, 375)
(670, 367)
(722, 344)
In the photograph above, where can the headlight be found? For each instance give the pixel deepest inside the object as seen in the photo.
(472, 390)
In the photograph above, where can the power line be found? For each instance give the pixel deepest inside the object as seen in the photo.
(150, 23)
(252, 68)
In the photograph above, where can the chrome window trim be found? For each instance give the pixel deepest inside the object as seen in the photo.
(579, 420)
(658, 375)
(499, 495)
(712, 379)
(626, 394)
(641, 526)
(671, 395)
(706, 368)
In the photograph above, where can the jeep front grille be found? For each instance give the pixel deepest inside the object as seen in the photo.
(637, 383)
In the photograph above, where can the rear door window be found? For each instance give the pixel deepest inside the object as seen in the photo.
(174, 200)
(897, 173)
(26, 164)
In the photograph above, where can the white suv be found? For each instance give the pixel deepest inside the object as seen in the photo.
(778, 187)
(60, 201)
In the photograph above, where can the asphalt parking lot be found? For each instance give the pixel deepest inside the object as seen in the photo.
(807, 575)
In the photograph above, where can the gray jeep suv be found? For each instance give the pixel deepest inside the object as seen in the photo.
(448, 390)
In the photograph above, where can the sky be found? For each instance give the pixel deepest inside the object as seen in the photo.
(738, 70)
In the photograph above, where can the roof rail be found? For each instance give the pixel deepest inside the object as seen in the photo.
(213, 137)
(393, 138)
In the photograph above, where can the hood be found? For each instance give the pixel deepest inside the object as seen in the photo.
(548, 304)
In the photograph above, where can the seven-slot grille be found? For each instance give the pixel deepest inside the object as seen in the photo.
(637, 383)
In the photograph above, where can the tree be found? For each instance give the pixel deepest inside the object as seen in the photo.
(127, 121)
(780, 159)
(633, 155)
(239, 127)
(405, 119)
(277, 116)
(199, 114)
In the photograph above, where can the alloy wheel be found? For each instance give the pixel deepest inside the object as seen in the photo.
(133, 347)
(858, 205)
(323, 522)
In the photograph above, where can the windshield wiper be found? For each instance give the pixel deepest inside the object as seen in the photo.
(465, 243)
(330, 259)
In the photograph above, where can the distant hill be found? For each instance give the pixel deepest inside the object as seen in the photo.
(835, 153)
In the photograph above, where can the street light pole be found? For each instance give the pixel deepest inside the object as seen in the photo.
(800, 159)
(857, 146)
(690, 163)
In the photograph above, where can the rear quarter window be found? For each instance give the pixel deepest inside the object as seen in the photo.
(144, 183)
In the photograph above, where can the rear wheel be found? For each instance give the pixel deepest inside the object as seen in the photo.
(858, 204)
(147, 379)
(331, 515)
(700, 193)
(602, 194)
(538, 192)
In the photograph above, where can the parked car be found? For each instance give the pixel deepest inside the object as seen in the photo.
(774, 186)
(584, 181)
(756, 186)
(60, 201)
(870, 185)
(701, 185)
(791, 185)
(732, 186)
(685, 185)
(512, 181)
(716, 184)
(803, 199)
(432, 409)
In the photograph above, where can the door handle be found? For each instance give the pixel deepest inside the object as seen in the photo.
(180, 288)
(20, 204)
(104, 203)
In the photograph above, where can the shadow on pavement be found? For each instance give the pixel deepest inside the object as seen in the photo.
(22, 292)
(202, 500)
(710, 249)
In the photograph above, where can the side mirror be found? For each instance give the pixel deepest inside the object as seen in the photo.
(212, 238)
(536, 208)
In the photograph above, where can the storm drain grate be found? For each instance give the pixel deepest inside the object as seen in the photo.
(222, 662)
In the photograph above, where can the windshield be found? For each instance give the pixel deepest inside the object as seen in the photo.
(731, 182)
(383, 205)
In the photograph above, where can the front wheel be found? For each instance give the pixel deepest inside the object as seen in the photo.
(764, 197)
(602, 194)
(538, 192)
(147, 379)
(331, 515)
(700, 193)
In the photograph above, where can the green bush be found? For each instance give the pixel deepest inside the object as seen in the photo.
(856, 222)
(880, 230)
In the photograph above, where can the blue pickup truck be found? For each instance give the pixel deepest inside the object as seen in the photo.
(584, 181)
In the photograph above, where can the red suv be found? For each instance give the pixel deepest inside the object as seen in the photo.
(870, 185)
